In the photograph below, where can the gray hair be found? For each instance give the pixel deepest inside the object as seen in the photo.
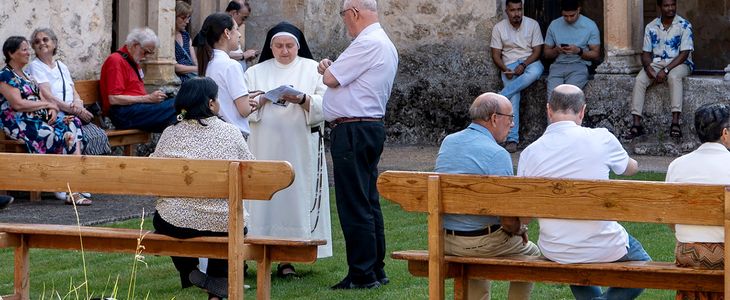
(568, 98)
(49, 33)
(143, 35)
(371, 5)
(484, 106)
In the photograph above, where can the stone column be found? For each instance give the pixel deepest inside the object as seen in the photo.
(623, 36)
(160, 68)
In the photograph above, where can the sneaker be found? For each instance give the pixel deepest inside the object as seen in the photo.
(60, 196)
(214, 285)
(347, 284)
(86, 195)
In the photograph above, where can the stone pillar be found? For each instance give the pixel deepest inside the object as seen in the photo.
(128, 21)
(623, 36)
(160, 68)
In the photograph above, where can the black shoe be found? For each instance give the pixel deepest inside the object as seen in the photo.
(285, 271)
(347, 284)
(382, 278)
(215, 285)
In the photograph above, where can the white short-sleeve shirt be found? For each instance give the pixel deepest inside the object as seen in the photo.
(710, 164)
(516, 44)
(567, 150)
(365, 71)
(42, 73)
(228, 74)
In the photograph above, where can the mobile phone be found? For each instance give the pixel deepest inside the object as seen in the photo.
(564, 45)
(169, 94)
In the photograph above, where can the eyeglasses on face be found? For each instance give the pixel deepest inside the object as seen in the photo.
(147, 51)
(38, 41)
(185, 18)
(511, 117)
(354, 11)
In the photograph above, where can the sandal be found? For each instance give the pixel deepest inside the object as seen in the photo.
(285, 270)
(634, 131)
(675, 131)
(77, 199)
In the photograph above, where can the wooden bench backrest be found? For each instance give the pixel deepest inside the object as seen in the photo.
(620, 200)
(142, 176)
(88, 90)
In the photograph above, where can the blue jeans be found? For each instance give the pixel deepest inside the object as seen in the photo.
(152, 117)
(512, 89)
(636, 253)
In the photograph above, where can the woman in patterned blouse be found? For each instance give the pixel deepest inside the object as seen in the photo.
(198, 134)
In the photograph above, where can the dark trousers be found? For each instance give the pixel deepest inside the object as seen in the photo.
(152, 117)
(356, 149)
(185, 265)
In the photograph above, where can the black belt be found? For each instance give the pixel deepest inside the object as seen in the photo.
(339, 121)
(315, 129)
(479, 232)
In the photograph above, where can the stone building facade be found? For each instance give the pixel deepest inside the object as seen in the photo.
(444, 55)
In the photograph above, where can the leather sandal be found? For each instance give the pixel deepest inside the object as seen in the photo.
(635, 131)
(78, 199)
(675, 131)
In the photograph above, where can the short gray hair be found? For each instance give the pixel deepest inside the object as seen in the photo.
(568, 98)
(143, 35)
(371, 5)
(49, 33)
(484, 107)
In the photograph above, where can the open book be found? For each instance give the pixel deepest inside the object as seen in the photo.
(276, 95)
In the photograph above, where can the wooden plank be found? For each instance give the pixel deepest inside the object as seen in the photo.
(697, 281)
(88, 90)
(21, 274)
(140, 175)
(435, 240)
(8, 240)
(263, 276)
(638, 201)
(235, 233)
(127, 137)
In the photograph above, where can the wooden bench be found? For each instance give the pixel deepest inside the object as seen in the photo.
(232, 180)
(128, 139)
(635, 201)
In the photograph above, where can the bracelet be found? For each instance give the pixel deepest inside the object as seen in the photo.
(304, 99)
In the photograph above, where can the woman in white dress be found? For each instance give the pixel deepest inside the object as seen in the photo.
(290, 130)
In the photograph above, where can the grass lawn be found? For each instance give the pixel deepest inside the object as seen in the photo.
(55, 270)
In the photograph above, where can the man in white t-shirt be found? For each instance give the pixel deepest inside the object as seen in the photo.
(568, 150)
(516, 47)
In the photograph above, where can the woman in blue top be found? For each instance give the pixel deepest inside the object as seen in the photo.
(187, 63)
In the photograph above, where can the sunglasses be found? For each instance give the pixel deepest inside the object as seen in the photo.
(38, 41)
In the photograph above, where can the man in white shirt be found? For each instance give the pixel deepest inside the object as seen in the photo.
(359, 82)
(698, 246)
(568, 150)
(516, 47)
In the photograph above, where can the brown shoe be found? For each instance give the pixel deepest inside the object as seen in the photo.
(511, 147)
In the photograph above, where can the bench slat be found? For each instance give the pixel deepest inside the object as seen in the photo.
(659, 275)
(141, 175)
(653, 202)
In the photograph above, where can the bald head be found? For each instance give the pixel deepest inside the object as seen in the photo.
(567, 98)
(488, 104)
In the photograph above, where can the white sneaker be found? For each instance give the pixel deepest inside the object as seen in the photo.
(60, 196)
(86, 195)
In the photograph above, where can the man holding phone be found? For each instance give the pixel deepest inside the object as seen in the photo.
(516, 46)
(573, 41)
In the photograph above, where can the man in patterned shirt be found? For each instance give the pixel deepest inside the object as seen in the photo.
(667, 57)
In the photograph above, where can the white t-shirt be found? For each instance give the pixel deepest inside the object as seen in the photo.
(567, 150)
(710, 163)
(365, 71)
(517, 43)
(43, 73)
(228, 74)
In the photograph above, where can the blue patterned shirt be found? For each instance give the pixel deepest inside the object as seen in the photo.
(665, 45)
(472, 151)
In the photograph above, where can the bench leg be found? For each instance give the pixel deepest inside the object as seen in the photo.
(263, 276)
(22, 270)
(128, 150)
(35, 196)
(461, 285)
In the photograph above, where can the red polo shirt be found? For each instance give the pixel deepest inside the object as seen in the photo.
(119, 78)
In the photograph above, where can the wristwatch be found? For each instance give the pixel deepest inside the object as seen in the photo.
(666, 70)
(580, 51)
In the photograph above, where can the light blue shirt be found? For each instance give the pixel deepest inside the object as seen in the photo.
(472, 151)
(365, 71)
(582, 33)
(665, 45)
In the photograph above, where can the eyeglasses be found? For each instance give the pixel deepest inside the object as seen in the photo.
(354, 11)
(38, 41)
(511, 117)
(185, 18)
(147, 51)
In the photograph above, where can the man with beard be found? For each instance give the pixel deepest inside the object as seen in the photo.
(516, 47)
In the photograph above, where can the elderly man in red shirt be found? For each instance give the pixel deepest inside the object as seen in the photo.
(123, 95)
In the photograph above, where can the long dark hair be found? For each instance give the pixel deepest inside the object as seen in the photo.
(11, 45)
(191, 102)
(213, 27)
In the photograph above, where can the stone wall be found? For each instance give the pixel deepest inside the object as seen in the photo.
(84, 31)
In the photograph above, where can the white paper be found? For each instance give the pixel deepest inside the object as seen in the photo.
(277, 94)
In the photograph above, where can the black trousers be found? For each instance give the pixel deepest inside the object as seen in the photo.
(356, 148)
(185, 265)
